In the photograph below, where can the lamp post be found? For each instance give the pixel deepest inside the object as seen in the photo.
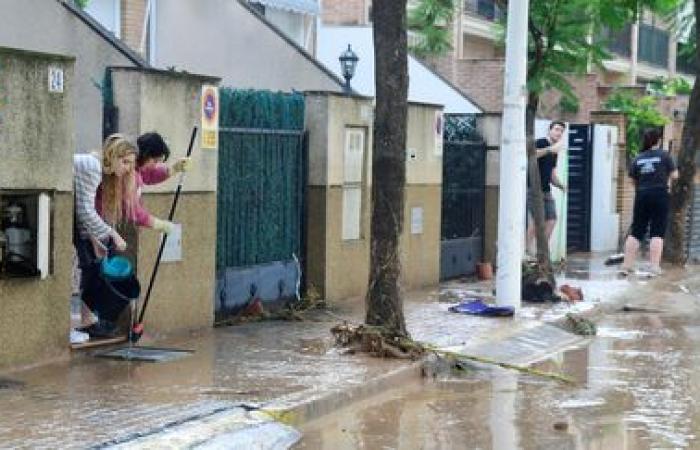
(348, 64)
(513, 163)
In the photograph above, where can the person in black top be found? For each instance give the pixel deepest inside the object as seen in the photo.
(547, 152)
(650, 171)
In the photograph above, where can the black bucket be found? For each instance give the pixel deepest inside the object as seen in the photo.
(108, 298)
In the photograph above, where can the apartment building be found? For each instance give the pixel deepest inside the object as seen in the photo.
(640, 53)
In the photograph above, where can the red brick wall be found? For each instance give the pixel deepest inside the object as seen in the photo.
(586, 89)
(132, 22)
(344, 12)
(482, 81)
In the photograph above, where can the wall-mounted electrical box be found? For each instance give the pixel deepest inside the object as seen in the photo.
(25, 234)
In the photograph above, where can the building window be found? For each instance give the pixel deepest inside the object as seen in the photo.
(258, 7)
(107, 13)
(618, 41)
(353, 169)
(653, 45)
(486, 9)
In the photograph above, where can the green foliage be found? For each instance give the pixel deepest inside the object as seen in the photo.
(559, 44)
(82, 4)
(687, 51)
(569, 105)
(669, 87)
(641, 113)
(430, 21)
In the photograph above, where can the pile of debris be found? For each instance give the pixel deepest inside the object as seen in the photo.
(375, 341)
(537, 288)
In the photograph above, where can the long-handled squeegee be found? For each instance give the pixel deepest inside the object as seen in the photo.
(137, 329)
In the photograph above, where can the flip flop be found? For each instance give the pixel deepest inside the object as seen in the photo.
(477, 307)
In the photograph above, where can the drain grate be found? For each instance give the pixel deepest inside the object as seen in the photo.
(147, 354)
(7, 384)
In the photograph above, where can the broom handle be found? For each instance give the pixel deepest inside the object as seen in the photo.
(165, 236)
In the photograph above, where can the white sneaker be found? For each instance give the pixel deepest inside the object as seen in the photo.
(656, 270)
(78, 337)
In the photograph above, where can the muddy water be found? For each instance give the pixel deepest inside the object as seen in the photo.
(637, 387)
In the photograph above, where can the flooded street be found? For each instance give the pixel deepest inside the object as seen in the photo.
(635, 382)
(637, 385)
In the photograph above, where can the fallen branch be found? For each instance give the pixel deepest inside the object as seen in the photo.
(639, 309)
(521, 369)
(375, 341)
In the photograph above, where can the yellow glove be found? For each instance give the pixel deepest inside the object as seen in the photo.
(182, 165)
(162, 225)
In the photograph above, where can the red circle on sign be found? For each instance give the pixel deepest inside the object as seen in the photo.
(209, 105)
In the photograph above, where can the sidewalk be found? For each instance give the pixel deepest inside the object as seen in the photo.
(263, 376)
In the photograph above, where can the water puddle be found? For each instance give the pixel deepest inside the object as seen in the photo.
(635, 389)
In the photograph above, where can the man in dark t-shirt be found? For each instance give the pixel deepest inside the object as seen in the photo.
(650, 171)
(547, 153)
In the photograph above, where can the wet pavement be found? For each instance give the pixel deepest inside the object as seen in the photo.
(637, 385)
(290, 372)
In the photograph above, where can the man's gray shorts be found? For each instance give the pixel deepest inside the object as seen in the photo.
(550, 208)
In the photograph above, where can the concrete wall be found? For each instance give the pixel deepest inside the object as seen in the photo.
(170, 104)
(489, 126)
(48, 26)
(624, 187)
(340, 268)
(420, 249)
(223, 38)
(37, 141)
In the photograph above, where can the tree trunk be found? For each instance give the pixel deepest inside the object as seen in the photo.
(543, 261)
(682, 189)
(384, 301)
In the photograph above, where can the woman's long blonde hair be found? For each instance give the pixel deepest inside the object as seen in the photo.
(118, 193)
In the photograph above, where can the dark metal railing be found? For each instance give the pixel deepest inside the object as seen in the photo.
(686, 63)
(486, 9)
(653, 45)
(618, 41)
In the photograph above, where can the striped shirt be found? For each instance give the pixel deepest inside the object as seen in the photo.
(87, 172)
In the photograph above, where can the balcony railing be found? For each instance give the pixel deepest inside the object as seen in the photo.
(686, 65)
(618, 41)
(486, 9)
(653, 45)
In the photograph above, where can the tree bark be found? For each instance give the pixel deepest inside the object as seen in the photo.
(543, 261)
(384, 300)
(681, 190)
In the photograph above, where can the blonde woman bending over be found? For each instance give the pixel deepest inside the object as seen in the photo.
(105, 187)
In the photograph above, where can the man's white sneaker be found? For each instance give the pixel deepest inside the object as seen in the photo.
(78, 337)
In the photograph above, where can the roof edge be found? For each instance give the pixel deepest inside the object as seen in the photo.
(173, 73)
(32, 53)
(106, 35)
(289, 41)
(447, 82)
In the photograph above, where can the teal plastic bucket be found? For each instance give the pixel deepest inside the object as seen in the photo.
(116, 268)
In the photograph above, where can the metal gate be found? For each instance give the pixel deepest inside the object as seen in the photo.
(260, 196)
(692, 233)
(463, 197)
(578, 229)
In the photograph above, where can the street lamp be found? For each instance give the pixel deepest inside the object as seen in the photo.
(348, 64)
